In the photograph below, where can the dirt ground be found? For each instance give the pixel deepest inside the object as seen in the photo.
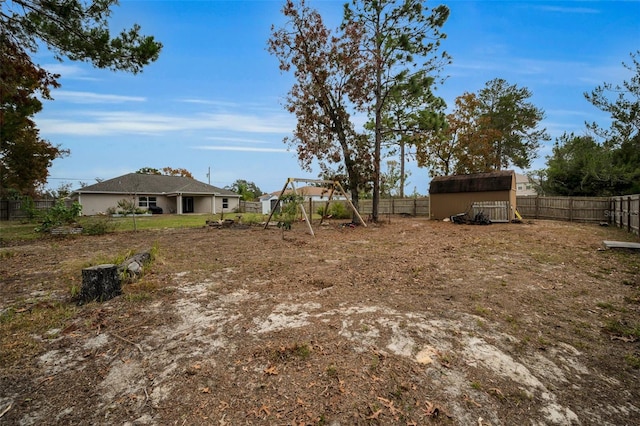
(408, 322)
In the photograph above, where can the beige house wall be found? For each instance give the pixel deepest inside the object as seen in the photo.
(93, 204)
(233, 204)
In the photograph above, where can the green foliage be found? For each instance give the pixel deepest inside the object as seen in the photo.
(289, 208)
(580, 166)
(78, 30)
(59, 215)
(248, 191)
(337, 210)
(400, 55)
(98, 225)
(128, 207)
(514, 121)
(29, 208)
(24, 156)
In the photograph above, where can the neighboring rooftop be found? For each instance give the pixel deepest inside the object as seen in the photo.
(153, 184)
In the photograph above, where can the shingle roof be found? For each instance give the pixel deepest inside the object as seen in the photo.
(153, 184)
(308, 191)
(477, 182)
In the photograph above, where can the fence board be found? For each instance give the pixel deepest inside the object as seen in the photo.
(496, 211)
(579, 209)
(625, 212)
(14, 209)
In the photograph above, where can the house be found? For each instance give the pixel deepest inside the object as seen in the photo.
(308, 193)
(174, 194)
(524, 186)
(494, 193)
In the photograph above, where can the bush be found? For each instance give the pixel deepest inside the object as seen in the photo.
(99, 225)
(127, 207)
(59, 215)
(337, 210)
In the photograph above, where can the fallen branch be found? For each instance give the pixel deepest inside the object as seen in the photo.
(6, 410)
(128, 341)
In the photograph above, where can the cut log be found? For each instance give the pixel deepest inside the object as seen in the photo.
(100, 283)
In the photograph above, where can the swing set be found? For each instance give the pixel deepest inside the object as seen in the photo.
(332, 187)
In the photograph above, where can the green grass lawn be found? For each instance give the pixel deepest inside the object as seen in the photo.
(20, 231)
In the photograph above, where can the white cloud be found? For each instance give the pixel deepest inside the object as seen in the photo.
(103, 123)
(94, 98)
(560, 9)
(240, 148)
(232, 139)
(72, 72)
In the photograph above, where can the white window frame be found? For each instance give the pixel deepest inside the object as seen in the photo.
(147, 202)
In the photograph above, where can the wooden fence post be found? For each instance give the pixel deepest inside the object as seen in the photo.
(629, 214)
(570, 209)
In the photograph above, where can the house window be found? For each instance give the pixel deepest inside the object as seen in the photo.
(225, 203)
(147, 201)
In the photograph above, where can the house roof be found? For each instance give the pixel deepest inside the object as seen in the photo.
(308, 191)
(154, 184)
(477, 182)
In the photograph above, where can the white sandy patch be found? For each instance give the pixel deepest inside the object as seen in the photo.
(479, 351)
(285, 316)
(96, 342)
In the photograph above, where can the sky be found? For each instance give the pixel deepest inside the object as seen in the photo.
(213, 101)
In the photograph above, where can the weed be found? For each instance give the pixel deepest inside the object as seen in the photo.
(476, 385)
(633, 361)
(20, 327)
(7, 254)
(297, 350)
(480, 310)
(622, 329)
(331, 370)
(138, 297)
(98, 225)
(606, 306)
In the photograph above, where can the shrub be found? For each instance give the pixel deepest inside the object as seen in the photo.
(337, 210)
(59, 215)
(127, 207)
(288, 210)
(99, 225)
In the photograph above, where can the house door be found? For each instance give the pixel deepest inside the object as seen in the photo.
(187, 204)
(273, 204)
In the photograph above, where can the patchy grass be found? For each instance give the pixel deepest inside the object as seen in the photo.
(25, 326)
(11, 231)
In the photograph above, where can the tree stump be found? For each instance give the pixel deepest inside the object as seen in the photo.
(100, 282)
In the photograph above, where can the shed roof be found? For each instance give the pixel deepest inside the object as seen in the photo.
(477, 182)
(153, 184)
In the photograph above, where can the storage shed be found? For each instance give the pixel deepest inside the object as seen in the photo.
(494, 193)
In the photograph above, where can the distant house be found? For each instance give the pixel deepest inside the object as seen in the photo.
(493, 192)
(524, 186)
(174, 194)
(308, 193)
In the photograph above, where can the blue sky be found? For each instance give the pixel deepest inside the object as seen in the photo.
(213, 100)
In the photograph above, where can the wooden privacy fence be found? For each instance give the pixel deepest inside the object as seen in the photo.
(15, 209)
(408, 206)
(624, 212)
(578, 209)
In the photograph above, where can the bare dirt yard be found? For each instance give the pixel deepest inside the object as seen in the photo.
(408, 322)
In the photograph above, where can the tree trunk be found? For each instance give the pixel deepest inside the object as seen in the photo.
(100, 283)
